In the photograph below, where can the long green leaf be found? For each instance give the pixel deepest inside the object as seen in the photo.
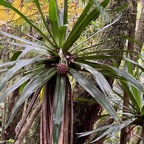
(59, 103)
(108, 129)
(120, 73)
(37, 82)
(103, 51)
(15, 55)
(62, 26)
(14, 86)
(6, 4)
(18, 65)
(54, 19)
(96, 57)
(18, 83)
(78, 29)
(102, 29)
(7, 64)
(129, 78)
(100, 79)
(25, 43)
(127, 89)
(95, 93)
(115, 128)
(30, 48)
(20, 39)
(135, 63)
(42, 16)
(82, 134)
(65, 12)
(62, 32)
(137, 95)
(83, 14)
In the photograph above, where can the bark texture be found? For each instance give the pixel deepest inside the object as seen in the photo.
(132, 14)
(116, 31)
(140, 31)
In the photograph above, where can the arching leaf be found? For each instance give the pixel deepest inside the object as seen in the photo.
(95, 93)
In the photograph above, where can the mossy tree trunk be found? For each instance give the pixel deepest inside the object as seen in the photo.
(86, 114)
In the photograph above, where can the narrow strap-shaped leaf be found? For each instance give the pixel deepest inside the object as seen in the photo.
(83, 14)
(40, 11)
(42, 16)
(15, 55)
(54, 19)
(120, 73)
(36, 49)
(96, 57)
(59, 103)
(14, 86)
(65, 12)
(129, 78)
(95, 93)
(101, 30)
(136, 93)
(18, 65)
(94, 131)
(108, 130)
(127, 89)
(138, 96)
(100, 79)
(105, 50)
(78, 29)
(20, 39)
(32, 49)
(6, 4)
(135, 63)
(62, 32)
(42, 43)
(31, 87)
(115, 128)
(18, 83)
(26, 43)
(7, 64)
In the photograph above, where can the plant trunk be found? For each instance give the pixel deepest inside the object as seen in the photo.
(86, 114)
(140, 31)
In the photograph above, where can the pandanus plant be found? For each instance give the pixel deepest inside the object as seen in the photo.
(50, 75)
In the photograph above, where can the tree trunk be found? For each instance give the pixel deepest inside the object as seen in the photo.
(140, 31)
(132, 13)
(85, 114)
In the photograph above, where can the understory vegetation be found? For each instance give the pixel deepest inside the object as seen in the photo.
(72, 71)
